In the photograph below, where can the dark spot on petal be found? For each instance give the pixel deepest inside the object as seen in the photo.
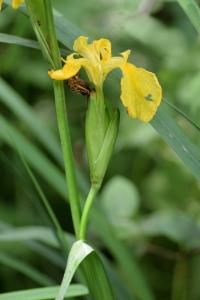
(149, 97)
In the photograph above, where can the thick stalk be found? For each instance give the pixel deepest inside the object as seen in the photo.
(86, 211)
(63, 123)
(67, 154)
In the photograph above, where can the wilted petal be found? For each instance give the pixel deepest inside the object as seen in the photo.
(141, 92)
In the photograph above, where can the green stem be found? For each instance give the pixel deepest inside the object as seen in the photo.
(86, 211)
(67, 154)
(62, 120)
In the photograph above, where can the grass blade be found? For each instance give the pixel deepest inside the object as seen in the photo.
(174, 136)
(192, 10)
(39, 233)
(181, 113)
(74, 290)
(13, 39)
(52, 217)
(33, 155)
(10, 98)
(27, 270)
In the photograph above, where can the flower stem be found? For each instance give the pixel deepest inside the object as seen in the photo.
(62, 120)
(67, 154)
(86, 211)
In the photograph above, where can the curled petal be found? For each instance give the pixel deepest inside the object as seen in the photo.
(141, 92)
(17, 3)
(82, 47)
(103, 48)
(116, 62)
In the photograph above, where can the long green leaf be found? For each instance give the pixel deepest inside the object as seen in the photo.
(175, 137)
(127, 262)
(59, 233)
(38, 233)
(33, 155)
(10, 98)
(192, 10)
(13, 39)
(74, 290)
(22, 267)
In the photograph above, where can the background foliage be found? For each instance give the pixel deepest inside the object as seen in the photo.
(150, 200)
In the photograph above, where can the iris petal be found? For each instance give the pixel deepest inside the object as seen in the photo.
(141, 92)
(69, 70)
(17, 3)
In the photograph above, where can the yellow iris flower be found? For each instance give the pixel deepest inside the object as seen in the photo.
(15, 3)
(141, 92)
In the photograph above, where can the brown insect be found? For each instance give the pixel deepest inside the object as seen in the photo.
(78, 85)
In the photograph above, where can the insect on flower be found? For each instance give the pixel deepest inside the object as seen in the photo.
(78, 85)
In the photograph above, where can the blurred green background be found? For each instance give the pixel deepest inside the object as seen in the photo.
(148, 196)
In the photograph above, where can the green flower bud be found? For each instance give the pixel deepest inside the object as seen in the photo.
(102, 125)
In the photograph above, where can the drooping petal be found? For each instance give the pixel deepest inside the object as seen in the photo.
(141, 92)
(17, 3)
(69, 70)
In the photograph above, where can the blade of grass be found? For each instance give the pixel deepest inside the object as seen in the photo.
(33, 155)
(192, 10)
(181, 113)
(38, 233)
(10, 98)
(15, 40)
(52, 217)
(74, 290)
(24, 268)
(19, 41)
(174, 136)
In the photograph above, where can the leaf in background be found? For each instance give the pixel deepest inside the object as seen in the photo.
(33, 155)
(10, 98)
(16, 40)
(121, 194)
(175, 137)
(74, 290)
(24, 268)
(175, 225)
(192, 10)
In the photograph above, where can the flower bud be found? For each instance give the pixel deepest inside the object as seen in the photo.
(102, 125)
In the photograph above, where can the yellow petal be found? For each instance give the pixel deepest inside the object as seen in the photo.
(17, 3)
(103, 49)
(69, 70)
(82, 47)
(141, 92)
(1, 2)
(116, 62)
